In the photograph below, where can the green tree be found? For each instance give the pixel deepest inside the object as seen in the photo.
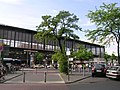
(83, 54)
(58, 28)
(107, 21)
(55, 56)
(39, 57)
(106, 57)
(62, 60)
(113, 57)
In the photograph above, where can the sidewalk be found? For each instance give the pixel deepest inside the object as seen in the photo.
(75, 76)
(56, 77)
(11, 76)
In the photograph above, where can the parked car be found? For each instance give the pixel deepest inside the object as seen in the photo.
(98, 70)
(113, 72)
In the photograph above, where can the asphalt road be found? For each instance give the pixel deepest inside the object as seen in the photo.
(86, 84)
(97, 83)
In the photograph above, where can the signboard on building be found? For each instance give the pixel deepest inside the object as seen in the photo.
(4, 49)
(67, 53)
(1, 45)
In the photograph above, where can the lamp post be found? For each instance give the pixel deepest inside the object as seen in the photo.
(27, 54)
(30, 55)
(75, 63)
(68, 54)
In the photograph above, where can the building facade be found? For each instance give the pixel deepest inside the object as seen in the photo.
(23, 44)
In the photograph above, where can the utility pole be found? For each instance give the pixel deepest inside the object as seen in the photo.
(118, 47)
(68, 54)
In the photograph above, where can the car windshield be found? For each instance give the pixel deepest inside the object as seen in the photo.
(99, 66)
(113, 68)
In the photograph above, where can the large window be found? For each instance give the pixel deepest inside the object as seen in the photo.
(102, 52)
(5, 34)
(1, 33)
(17, 36)
(13, 35)
(9, 34)
(93, 50)
(20, 38)
(88, 47)
(98, 51)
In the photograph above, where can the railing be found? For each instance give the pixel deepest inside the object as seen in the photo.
(44, 76)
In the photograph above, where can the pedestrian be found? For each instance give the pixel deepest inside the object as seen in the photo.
(76, 67)
(1, 73)
(80, 68)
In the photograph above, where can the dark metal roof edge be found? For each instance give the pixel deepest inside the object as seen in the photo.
(90, 43)
(36, 31)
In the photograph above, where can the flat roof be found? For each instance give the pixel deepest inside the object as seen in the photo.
(29, 30)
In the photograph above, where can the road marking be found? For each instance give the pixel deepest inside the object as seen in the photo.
(61, 78)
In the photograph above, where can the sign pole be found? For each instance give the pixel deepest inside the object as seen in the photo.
(68, 53)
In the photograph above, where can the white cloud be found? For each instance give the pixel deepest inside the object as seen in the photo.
(106, 1)
(88, 23)
(22, 21)
(51, 12)
(84, 0)
(111, 49)
(54, 12)
(85, 23)
(11, 1)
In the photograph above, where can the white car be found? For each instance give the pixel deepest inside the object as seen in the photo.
(113, 72)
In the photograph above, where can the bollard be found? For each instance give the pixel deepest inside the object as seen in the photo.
(83, 71)
(68, 77)
(22, 69)
(45, 77)
(23, 77)
(36, 70)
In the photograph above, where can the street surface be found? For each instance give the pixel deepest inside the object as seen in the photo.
(97, 83)
(36, 77)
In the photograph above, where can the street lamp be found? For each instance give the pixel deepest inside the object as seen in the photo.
(68, 54)
(27, 53)
(30, 56)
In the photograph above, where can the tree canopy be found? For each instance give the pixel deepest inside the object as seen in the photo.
(106, 57)
(39, 57)
(58, 28)
(107, 21)
(83, 54)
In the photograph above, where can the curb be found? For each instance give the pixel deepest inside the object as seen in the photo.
(78, 80)
(68, 82)
(11, 78)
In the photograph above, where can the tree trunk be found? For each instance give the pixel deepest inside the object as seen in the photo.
(61, 48)
(118, 46)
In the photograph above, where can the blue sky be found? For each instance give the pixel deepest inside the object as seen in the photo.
(27, 13)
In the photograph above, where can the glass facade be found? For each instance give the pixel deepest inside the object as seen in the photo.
(24, 39)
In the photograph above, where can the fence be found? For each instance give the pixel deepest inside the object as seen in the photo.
(37, 77)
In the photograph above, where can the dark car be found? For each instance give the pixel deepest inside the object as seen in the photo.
(98, 70)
